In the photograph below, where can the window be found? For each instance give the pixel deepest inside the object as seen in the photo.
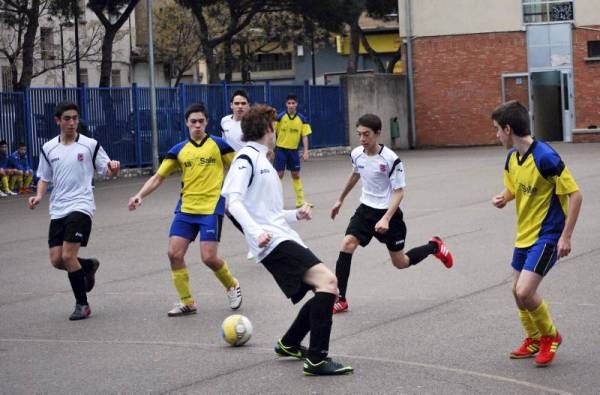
(593, 49)
(538, 11)
(83, 77)
(47, 44)
(7, 85)
(273, 61)
(115, 78)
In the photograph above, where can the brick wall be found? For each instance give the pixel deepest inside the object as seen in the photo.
(458, 84)
(586, 75)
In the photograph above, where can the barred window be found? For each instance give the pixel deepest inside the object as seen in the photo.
(539, 11)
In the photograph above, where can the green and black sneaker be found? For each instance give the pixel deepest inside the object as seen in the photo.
(291, 351)
(327, 367)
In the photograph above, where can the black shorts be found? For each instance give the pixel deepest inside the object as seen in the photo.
(362, 226)
(74, 228)
(288, 263)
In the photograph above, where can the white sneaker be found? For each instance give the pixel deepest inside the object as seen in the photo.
(250, 256)
(2, 194)
(11, 193)
(234, 294)
(183, 309)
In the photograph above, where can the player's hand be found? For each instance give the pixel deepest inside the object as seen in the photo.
(564, 246)
(335, 210)
(134, 202)
(305, 155)
(382, 225)
(304, 212)
(499, 201)
(113, 168)
(33, 201)
(264, 239)
(271, 155)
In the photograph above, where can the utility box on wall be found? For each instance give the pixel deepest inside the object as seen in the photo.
(383, 95)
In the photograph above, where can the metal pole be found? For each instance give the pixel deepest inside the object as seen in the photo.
(62, 56)
(152, 89)
(77, 65)
(410, 76)
(312, 55)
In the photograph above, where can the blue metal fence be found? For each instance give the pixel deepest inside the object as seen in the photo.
(119, 118)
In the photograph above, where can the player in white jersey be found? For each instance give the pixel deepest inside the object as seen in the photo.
(231, 128)
(255, 198)
(379, 214)
(69, 161)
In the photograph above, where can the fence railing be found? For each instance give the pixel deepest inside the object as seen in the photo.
(119, 118)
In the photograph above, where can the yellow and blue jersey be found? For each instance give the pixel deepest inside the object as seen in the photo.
(202, 168)
(289, 130)
(541, 184)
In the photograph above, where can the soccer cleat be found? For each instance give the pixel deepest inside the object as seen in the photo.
(443, 253)
(90, 274)
(298, 352)
(2, 194)
(25, 190)
(327, 367)
(548, 347)
(11, 193)
(183, 309)
(81, 312)
(340, 306)
(528, 349)
(234, 294)
(250, 256)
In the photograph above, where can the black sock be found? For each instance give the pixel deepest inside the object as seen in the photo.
(86, 264)
(342, 272)
(300, 327)
(417, 254)
(321, 310)
(77, 280)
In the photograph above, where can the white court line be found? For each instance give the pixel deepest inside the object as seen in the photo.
(270, 351)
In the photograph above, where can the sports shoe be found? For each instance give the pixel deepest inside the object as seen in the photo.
(340, 306)
(528, 349)
(81, 312)
(90, 274)
(327, 367)
(182, 309)
(234, 294)
(11, 193)
(298, 352)
(548, 347)
(443, 253)
(2, 194)
(25, 190)
(250, 256)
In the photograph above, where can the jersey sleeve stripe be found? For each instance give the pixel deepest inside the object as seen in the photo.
(247, 158)
(396, 163)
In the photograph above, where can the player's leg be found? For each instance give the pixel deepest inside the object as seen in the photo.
(531, 345)
(280, 160)
(294, 166)
(4, 178)
(180, 236)
(16, 180)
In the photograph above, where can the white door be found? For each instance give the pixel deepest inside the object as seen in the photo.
(568, 118)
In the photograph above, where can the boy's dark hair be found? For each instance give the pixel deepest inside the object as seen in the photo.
(239, 92)
(370, 121)
(3, 142)
(21, 144)
(195, 107)
(64, 106)
(257, 121)
(515, 115)
(292, 96)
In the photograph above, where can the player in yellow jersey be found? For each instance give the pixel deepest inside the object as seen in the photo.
(290, 127)
(202, 160)
(548, 202)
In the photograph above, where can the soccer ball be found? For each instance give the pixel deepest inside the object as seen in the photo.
(236, 330)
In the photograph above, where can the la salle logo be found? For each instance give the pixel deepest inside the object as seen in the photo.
(80, 157)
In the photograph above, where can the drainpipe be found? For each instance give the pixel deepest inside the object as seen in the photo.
(412, 138)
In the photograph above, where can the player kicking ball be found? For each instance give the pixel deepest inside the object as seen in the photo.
(379, 214)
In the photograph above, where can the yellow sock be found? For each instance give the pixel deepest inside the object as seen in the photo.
(16, 180)
(181, 280)
(297, 183)
(225, 276)
(5, 183)
(28, 178)
(543, 321)
(530, 328)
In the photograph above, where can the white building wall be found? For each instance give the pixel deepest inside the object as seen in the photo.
(587, 12)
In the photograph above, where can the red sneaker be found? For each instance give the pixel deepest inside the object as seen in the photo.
(548, 347)
(443, 253)
(340, 306)
(528, 349)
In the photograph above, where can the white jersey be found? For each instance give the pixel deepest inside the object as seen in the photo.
(380, 174)
(253, 176)
(70, 168)
(232, 132)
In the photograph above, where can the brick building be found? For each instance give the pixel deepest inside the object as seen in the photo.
(471, 55)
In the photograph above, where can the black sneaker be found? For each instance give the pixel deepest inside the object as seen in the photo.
(298, 352)
(327, 367)
(81, 312)
(90, 274)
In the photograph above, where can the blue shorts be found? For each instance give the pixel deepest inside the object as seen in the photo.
(287, 159)
(539, 258)
(188, 226)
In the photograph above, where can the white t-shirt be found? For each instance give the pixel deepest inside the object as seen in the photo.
(232, 132)
(70, 168)
(253, 177)
(380, 175)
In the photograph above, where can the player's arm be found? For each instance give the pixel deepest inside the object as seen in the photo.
(383, 224)
(305, 145)
(352, 180)
(149, 186)
(502, 198)
(104, 165)
(42, 187)
(564, 243)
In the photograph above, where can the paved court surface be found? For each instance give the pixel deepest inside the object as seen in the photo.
(424, 330)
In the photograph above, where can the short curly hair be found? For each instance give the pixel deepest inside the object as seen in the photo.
(256, 122)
